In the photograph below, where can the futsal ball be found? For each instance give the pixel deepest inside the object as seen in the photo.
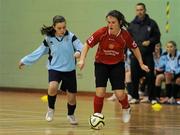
(96, 121)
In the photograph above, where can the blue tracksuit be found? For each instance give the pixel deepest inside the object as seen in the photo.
(61, 52)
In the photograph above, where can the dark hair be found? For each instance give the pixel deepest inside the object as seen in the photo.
(173, 43)
(119, 16)
(49, 30)
(160, 47)
(141, 4)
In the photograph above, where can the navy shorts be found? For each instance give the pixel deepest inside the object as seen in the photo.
(115, 73)
(67, 79)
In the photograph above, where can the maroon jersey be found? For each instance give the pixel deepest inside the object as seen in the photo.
(111, 47)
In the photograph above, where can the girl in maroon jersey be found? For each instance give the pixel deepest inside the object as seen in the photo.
(112, 40)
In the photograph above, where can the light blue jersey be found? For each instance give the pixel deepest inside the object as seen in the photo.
(61, 52)
(157, 60)
(173, 63)
(162, 62)
(170, 64)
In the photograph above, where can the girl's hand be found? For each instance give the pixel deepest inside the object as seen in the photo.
(77, 55)
(145, 68)
(81, 64)
(21, 65)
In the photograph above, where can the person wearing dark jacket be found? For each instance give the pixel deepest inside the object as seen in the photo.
(146, 34)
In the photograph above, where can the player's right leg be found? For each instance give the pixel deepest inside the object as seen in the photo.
(101, 77)
(52, 93)
(99, 99)
(71, 105)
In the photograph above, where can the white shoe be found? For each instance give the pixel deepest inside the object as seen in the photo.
(112, 98)
(145, 100)
(172, 100)
(49, 114)
(141, 93)
(129, 97)
(153, 102)
(126, 115)
(178, 102)
(72, 119)
(134, 101)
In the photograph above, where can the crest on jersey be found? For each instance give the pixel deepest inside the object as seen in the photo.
(148, 28)
(111, 46)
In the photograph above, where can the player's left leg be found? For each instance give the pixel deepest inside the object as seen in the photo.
(117, 79)
(70, 84)
(123, 100)
(71, 105)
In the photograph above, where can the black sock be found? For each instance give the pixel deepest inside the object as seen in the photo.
(143, 86)
(158, 91)
(71, 109)
(175, 90)
(168, 90)
(51, 101)
(129, 87)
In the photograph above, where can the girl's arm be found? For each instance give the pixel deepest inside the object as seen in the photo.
(83, 56)
(34, 56)
(77, 46)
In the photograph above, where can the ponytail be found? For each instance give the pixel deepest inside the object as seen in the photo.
(49, 30)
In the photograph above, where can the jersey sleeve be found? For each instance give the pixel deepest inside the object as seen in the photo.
(77, 44)
(129, 41)
(95, 37)
(178, 64)
(35, 55)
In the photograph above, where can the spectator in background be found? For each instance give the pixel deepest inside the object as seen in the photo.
(171, 64)
(146, 33)
(159, 56)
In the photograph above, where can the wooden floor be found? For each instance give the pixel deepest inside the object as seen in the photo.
(23, 114)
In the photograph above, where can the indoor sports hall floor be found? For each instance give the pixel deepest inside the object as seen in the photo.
(23, 114)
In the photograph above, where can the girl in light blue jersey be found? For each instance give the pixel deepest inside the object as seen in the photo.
(171, 64)
(63, 47)
(158, 55)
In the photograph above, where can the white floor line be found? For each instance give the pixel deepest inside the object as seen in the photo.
(44, 130)
(21, 111)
